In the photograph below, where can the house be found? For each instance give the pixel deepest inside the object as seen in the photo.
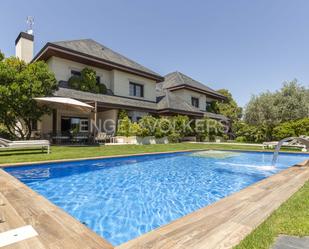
(130, 86)
(180, 94)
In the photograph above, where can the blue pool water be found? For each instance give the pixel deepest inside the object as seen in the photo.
(122, 198)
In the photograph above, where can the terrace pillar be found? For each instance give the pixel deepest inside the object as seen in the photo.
(54, 118)
(95, 115)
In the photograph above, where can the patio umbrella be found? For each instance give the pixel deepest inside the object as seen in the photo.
(61, 103)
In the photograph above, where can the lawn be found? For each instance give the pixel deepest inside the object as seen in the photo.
(291, 218)
(73, 152)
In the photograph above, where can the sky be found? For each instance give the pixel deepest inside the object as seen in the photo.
(244, 46)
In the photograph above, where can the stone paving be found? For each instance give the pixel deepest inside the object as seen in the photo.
(291, 242)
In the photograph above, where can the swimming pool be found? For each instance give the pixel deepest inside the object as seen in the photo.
(122, 198)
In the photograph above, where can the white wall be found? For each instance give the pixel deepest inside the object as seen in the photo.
(45, 125)
(62, 70)
(115, 80)
(187, 94)
(107, 120)
(24, 50)
(121, 85)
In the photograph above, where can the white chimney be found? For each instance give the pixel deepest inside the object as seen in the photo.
(24, 46)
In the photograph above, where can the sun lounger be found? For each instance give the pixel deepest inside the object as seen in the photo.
(8, 144)
(291, 144)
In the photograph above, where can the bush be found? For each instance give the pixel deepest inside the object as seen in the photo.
(292, 128)
(148, 124)
(180, 125)
(122, 114)
(174, 137)
(136, 130)
(250, 133)
(87, 82)
(163, 127)
(124, 126)
(208, 129)
(241, 139)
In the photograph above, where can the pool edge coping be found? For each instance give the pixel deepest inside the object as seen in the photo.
(4, 165)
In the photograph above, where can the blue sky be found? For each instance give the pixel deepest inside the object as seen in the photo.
(244, 46)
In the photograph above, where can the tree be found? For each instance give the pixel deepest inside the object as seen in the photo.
(270, 109)
(261, 112)
(1, 56)
(292, 102)
(229, 107)
(20, 83)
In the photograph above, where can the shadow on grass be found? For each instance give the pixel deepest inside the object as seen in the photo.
(21, 153)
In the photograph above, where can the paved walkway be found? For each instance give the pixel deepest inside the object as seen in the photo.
(291, 242)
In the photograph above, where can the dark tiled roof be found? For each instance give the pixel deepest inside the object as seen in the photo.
(171, 101)
(176, 79)
(215, 116)
(93, 48)
(113, 100)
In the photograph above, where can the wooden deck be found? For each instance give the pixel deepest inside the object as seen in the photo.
(220, 225)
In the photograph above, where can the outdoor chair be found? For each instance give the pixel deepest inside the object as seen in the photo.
(101, 137)
(8, 144)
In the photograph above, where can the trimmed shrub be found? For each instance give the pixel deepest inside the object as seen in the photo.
(148, 124)
(241, 139)
(122, 114)
(136, 130)
(174, 137)
(163, 127)
(124, 127)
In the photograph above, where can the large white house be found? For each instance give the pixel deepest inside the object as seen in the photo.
(130, 86)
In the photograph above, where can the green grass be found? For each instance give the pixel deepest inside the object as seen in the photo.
(291, 218)
(71, 152)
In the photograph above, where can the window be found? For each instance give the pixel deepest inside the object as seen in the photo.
(136, 90)
(84, 125)
(208, 106)
(69, 124)
(75, 73)
(195, 102)
(98, 79)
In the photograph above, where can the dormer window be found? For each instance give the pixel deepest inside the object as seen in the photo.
(195, 102)
(136, 90)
